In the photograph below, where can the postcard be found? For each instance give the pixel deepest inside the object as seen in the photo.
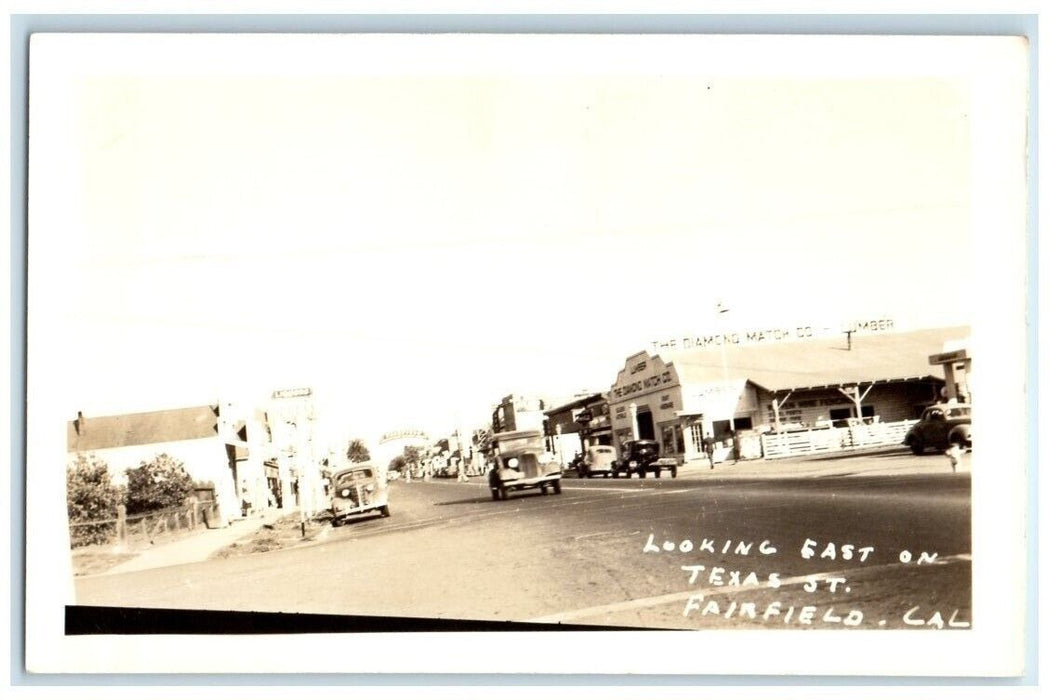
(479, 353)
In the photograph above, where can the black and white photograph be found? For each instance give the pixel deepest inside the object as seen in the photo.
(525, 353)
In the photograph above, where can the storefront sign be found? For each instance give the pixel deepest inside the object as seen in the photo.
(652, 382)
(945, 357)
(665, 401)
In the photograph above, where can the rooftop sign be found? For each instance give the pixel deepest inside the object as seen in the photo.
(292, 393)
(771, 335)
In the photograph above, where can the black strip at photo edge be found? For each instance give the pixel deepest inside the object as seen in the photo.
(82, 620)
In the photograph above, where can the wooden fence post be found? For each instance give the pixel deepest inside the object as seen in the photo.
(122, 533)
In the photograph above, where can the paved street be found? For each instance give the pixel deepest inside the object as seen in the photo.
(863, 547)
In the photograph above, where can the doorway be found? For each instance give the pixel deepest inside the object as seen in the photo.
(646, 429)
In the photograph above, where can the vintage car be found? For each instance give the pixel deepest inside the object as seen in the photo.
(640, 457)
(359, 489)
(941, 425)
(522, 462)
(599, 459)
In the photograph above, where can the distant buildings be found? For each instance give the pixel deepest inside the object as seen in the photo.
(578, 424)
(517, 412)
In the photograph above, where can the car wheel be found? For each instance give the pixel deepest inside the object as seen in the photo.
(557, 487)
(917, 446)
(495, 494)
(673, 472)
(385, 510)
(543, 489)
(659, 473)
(615, 474)
(640, 473)
(336, 522)
(504, 494)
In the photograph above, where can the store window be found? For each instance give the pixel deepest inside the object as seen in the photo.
(667, 439)
(840, 416)
(723, 429)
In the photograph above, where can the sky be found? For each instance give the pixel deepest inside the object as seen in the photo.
(415, 245)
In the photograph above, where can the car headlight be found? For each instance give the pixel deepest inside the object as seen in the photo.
(345, 493)
(633, 463)
(512, 463)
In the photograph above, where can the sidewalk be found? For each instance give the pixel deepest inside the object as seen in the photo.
(892, 460)
(884, 461)
(196, 547)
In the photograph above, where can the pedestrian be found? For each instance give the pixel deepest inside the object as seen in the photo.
(708, 447)
(247, 505)
(954, 456)
(736, 444)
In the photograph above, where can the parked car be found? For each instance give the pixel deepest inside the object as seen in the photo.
(941, 426)
(357, 490)
(642, 456)
(599, 459)
(522, 462)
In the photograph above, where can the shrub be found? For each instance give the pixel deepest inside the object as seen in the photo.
(90, 495)
(158, 484)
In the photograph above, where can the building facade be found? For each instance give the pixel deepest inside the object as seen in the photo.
(752, 389)
(574, 426)
(189, 435)
(257, 455)
(517, 412)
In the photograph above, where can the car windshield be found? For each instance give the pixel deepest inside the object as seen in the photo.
(958, 412)
(356, 476)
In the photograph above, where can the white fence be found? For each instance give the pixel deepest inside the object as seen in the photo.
(828, 440)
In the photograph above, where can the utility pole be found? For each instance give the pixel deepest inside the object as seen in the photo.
(722, 310)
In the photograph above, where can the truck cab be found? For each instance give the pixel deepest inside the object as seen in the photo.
(522, 462)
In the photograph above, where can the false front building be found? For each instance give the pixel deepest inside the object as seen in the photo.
(761, 388)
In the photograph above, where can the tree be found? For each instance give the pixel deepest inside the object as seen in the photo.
(357, 451)
(158, 484)
(398, 463)
(90, 495)
(412, 455)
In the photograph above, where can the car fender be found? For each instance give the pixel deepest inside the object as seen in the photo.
(961, 431)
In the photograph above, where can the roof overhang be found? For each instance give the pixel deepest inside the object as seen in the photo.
(842, 385)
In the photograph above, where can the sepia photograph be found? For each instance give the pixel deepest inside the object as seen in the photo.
(567, 349)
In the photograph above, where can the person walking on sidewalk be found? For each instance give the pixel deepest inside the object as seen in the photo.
(708, 447)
